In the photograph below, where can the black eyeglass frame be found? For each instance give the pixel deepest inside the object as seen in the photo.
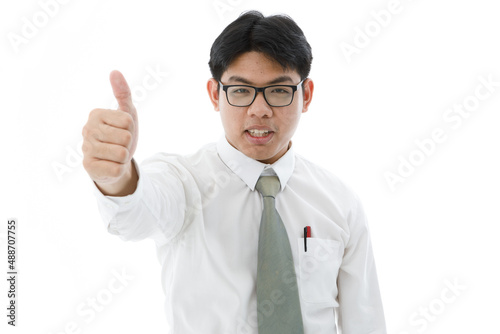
(261, 89)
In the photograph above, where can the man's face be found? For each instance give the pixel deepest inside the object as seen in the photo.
(241, 124)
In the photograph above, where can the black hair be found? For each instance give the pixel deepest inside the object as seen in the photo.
(277, 36)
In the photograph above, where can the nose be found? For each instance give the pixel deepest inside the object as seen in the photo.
(259, 107)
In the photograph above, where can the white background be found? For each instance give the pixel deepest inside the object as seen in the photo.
(440, 225)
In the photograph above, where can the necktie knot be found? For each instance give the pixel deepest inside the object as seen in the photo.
(268, 186)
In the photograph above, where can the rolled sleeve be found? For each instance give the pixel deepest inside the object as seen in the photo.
(109, 206)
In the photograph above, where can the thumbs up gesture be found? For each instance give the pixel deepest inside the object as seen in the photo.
(109, 142)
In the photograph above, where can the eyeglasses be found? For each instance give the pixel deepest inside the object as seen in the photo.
(275, 95)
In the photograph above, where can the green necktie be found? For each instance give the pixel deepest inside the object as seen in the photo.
(277, 294)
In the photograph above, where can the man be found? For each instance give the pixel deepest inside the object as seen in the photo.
(252, 238)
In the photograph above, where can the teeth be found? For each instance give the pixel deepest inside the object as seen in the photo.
(258, 133)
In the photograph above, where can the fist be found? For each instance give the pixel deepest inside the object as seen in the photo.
(110, 136)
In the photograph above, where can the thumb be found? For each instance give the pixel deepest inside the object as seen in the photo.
(121, 91)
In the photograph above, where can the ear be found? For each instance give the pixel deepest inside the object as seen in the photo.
(308, 87)
(213, 92)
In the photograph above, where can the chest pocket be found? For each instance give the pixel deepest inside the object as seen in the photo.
(318, 270)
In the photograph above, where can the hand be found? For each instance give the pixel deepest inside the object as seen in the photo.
(110, 139)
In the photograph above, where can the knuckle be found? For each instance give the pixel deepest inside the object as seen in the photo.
(88, 148)
(85, 147)
(85, 131)
(86, 164)
(94, 113)
(128, 122)
(122, 154)
(127, 137)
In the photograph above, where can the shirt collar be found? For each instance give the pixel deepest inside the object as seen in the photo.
(249, 170)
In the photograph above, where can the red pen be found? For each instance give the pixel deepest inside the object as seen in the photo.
(307, 234)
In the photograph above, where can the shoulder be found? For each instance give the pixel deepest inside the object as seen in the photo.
(324, 181)
(208, 151)
(180, 165)
(329, 194)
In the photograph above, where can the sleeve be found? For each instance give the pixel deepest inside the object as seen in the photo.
(360, 309)
(156, 208)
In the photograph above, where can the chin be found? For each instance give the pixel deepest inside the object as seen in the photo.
(260, 153)
(264, 157)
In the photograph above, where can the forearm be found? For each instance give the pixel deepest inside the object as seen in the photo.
(126, 185)
(155, 207)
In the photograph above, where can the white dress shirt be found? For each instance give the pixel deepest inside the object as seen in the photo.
(204, 215)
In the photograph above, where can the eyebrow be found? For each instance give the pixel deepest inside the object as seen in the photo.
(280, 79)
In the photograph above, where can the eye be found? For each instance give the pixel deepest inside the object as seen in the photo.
(240, 90)
(281, 90)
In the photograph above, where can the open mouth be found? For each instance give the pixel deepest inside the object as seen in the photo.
(259, 137)
(259, 133)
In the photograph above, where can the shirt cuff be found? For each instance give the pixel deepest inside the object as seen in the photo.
(110, 205)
